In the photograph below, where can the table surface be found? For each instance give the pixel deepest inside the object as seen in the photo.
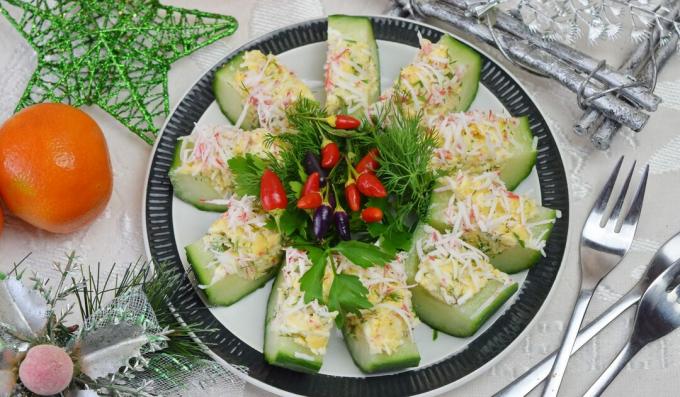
(116, 236)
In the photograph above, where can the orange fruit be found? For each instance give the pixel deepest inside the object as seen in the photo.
(2, 220)
(55, 171)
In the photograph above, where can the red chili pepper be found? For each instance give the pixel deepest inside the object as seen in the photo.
(369, 185)
(272, 194)
(352, 196)
(312, 184)
(369, 162)
(343, 122)
(310, 201)
(371, 215)
(330, 155)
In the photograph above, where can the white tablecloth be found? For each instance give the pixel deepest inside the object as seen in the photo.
(117, 235)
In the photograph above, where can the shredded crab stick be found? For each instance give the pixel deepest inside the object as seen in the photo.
(238, 254)
(442, 78)
(381, 337)
(254, 90)
(297, 332)
(351, 72)
(483, 141)
(492, 218)
(455, 289)
(200, 172)
(451, 269)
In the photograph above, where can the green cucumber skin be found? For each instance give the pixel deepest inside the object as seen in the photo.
(358, 28)
(461, 320)
(406, 356)
(512, 260)
(461, 53)
(229, 290)
(190, 189)
(227, 96)
(280, 350)
(518, 258)
(516, 168)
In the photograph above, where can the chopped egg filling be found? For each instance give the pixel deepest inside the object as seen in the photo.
(451, 269)
(241, 243)
(269, 88)
(489, 216)
(431, 84)
(477, 141)
(390, 322)
(205, 153)
(350, 75)
(309, 324)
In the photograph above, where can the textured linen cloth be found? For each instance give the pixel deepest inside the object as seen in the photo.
(116, 236)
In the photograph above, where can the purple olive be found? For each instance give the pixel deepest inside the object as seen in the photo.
(342, 225)
(312, 165)
(322, 221)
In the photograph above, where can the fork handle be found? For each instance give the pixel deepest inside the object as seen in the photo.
(533, 377)
(627, 352)
(560, 365)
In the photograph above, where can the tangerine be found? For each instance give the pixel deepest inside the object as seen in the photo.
(55, 170)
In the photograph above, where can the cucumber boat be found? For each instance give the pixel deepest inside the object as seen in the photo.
(199, 172)
(254, 90)
(443, 78)
(479, 141)
(352, 69)
(456, 289)
(238, 254)
(512, 230)
(381, 338)
(296, 333)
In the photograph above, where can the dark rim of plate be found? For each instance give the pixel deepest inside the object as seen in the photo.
(485, 346)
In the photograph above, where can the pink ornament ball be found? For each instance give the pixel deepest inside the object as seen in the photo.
(46, 370)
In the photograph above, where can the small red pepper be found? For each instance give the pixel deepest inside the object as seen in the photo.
(310, 201)
(272, 194)
(369, 185)
(343, 122)
(330, 154)
(352, 196)
(371, 215)
(369, 162)
(312, 184)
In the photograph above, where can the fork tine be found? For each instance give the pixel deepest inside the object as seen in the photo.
(602, 200)
(614, 216)
(636, 206)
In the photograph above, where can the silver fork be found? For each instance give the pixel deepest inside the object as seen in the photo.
(658, 314)
(602, 248)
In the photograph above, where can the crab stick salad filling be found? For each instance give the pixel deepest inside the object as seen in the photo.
(489, 216)
(205, 153)
(430, 84)
(350, 76)
(269, 88)
(309, 324)
(390, 322)
(475, 140)
(241, 243)
(451, 269)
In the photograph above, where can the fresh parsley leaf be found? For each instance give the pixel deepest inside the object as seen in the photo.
(295, 187)
(247, 172)
(292, 220)
(396, 240)
(435, 334)
(311, 282)
(347, 295)
(363, 254)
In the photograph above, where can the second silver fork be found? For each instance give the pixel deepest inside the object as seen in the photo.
(601, 249)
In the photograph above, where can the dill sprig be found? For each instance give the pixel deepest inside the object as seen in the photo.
(406, 145)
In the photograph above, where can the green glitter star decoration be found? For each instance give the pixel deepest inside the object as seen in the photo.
(111, 53)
